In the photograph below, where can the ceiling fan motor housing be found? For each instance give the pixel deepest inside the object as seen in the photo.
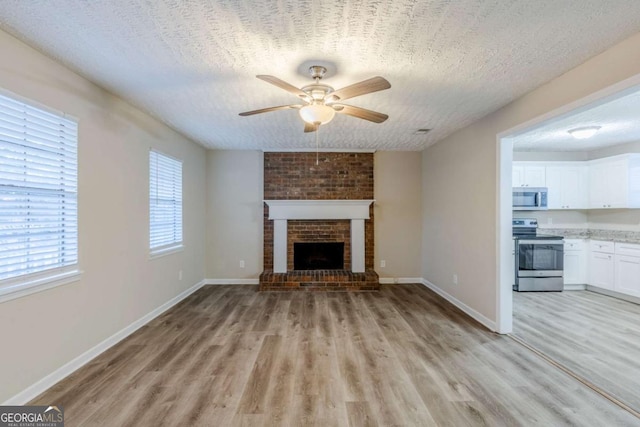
(317, 91)
(317, 71)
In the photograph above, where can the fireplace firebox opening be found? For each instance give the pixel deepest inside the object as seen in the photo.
(318, 256)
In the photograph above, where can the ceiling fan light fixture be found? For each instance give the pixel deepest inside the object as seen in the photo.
(584, 132)
(317, 113)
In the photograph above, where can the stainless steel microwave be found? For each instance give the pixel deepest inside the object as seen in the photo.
(529, 198)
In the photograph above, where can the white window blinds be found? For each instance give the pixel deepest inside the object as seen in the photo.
(38, 190)
(165, 202)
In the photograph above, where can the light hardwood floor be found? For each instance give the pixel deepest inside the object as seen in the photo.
(595, 336)
(230, 356)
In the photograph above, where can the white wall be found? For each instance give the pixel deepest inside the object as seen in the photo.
(397, 211)
(460, 180)
(557, 218)
(614, 219)
(630, 147)
(119, 284)
(234, 214)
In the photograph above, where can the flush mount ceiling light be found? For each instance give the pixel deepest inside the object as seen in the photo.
(584, 132)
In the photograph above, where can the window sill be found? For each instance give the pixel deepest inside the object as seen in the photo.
(166, 251)
(22, 289)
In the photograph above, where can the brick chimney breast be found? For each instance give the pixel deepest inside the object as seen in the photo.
(338, 176)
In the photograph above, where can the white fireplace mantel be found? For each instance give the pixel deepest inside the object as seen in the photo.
(280, 211)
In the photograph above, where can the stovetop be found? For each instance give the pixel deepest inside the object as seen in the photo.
(536, 236)
(527, 228)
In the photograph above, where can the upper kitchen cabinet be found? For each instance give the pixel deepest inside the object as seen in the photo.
(528, 175)
(567, 184)
(614, 182)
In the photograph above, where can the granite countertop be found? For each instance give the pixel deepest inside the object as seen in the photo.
(583, 233)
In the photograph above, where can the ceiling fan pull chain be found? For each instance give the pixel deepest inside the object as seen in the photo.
(317, 149)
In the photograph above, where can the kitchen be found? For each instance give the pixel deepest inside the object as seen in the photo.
(576, 198)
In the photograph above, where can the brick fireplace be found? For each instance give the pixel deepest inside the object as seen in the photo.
(331, 202)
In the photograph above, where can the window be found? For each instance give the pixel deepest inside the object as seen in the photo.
(38, 195)
(165, 203)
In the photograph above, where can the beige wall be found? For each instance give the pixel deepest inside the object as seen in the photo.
(460, 180)
(398, 207)
(543, 156)
(119, 284)
(234, 214)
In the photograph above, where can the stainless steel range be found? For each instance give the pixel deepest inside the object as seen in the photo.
(539, 258)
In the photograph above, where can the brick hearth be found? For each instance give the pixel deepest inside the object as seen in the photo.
(339, 176)
(319, 280)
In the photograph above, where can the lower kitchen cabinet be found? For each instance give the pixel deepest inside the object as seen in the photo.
(601, 265)
(628, 275)
(627, 268)
(575, 262)
(615, 266)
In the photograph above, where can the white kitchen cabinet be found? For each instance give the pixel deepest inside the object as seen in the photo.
(628, 275)
(627, 261)
(614, 182)
(601, 264)
(528, 175)
(575, 262)
(607, 183)
(567, 186)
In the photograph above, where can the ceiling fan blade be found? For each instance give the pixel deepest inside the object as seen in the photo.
(310, 127)
(266, 110)
(361, 113)
(373, 84)
(284, 85)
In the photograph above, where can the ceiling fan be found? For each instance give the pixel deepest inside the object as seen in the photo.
(322, 102)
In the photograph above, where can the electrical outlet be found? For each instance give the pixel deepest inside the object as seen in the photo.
(383, 264)
(455, 279)
(241, 263)
(180, 275)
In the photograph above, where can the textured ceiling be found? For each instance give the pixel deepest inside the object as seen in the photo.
(192, 64)
(618, 120)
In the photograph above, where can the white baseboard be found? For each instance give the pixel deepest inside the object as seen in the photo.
(574, 287)
(488, 323)
(614, 294)
(399, 280)
(47, 382)
(231, 281)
